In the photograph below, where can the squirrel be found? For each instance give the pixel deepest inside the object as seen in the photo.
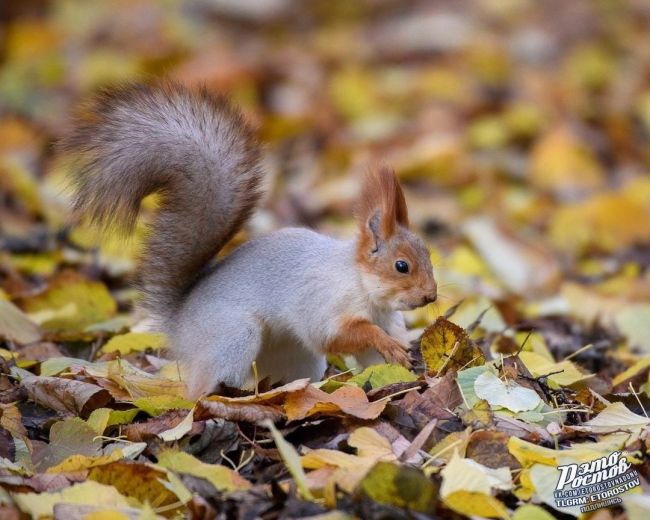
(283, 300)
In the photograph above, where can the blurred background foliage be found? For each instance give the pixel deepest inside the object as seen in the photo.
(519, 128)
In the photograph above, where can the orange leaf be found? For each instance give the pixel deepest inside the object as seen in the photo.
(349, 400)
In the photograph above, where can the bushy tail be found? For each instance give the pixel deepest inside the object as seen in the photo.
(192, 148)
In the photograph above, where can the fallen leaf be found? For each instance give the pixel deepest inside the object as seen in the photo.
(221, 477)
(92, 493)
(180, 430)
(377, 376)
(521, 267)
(157, 404)
(473, 503)
(445, 346)
(614, 417)
(347, 400)
(531, 512)
(135, 382)
(70, 437)
(462, 474)
(540, 366)
(66, 395)
(135, 480)
(16, 325)
(509, 395)
(134, 342)
(291, 460)
(400, 486)
(84, 302)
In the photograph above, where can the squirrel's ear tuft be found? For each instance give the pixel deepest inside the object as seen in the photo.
(381, 207)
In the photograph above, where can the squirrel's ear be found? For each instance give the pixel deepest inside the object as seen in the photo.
(381, 208)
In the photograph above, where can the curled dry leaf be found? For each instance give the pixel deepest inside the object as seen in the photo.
(244, 412)
(66, 395)
(252, 408)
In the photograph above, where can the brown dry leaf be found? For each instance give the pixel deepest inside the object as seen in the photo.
(445, 346)
(66, 395)
(245, 412)
(148, 430)
(251, 408)
(275, 395)
(438, 401)
(490, 448)
(10, 420)
(67, 438)
(347, 400)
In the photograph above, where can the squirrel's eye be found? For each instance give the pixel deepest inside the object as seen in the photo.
(402, 266)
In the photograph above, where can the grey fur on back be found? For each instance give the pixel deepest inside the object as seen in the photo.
(192, 148)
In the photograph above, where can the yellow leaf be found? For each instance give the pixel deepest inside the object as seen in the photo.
(157, 404)
(637, 367)
(180, 430)
(381, 375)
(142, 482)
(98, 419)
(221, 477)
(81, 462)
(540, 366)
(85, 303)
(89, 492)
(446, 346)
(472, 503)
(610, 221)
(531, 512)
(369, 443)
(106, 515)
(528, 453)
(134, 342)
(560, 162)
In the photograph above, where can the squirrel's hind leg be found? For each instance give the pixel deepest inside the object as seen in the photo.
(222, 353)
(285, 359)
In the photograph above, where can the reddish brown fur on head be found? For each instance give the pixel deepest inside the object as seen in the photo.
(384, 239)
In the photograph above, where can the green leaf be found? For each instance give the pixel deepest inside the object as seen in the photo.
(400, 486)
(381, 375)
(291, 460)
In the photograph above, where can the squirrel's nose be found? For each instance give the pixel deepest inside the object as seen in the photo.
(430, 298)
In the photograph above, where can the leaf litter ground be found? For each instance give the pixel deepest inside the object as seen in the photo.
(523, 153)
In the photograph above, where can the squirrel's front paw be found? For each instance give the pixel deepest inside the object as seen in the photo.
(394, 352)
